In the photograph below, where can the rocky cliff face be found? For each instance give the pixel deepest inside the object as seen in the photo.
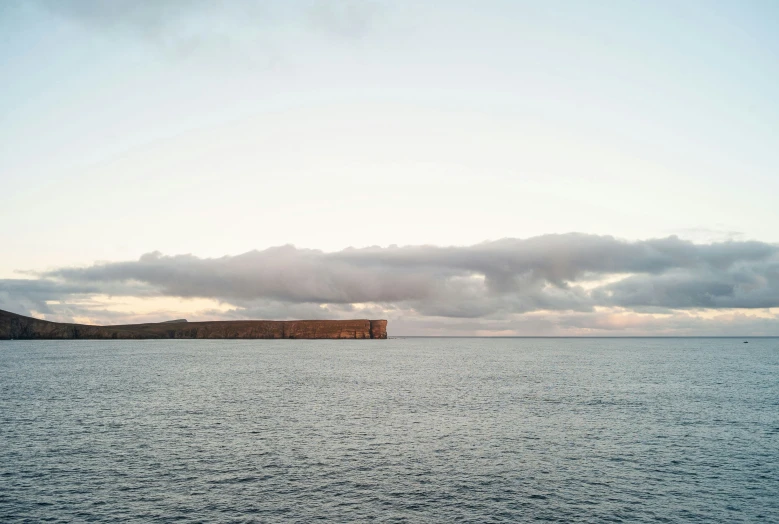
(378, 329)
(13, 326)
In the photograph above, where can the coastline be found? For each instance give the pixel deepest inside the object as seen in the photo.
(20, 327)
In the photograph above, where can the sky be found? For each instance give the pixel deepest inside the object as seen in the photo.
(460, 167)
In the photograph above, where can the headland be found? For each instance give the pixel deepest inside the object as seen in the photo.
(19, 327)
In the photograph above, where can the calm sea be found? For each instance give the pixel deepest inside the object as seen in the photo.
(403, 430)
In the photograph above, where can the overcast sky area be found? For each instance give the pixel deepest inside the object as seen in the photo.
(459, 168)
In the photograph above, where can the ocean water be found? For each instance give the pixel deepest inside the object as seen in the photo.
(403, 430)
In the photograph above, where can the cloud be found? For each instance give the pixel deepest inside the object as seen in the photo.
(595, 323)
(536, 273)
(61, 300)
(350, 19)
(707, 234)
(543, 272)
(26, 295)
(502, 284)
(241, 30)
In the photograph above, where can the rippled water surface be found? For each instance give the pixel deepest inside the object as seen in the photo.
(404, 430)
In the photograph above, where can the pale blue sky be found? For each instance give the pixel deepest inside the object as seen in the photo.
(216, 128)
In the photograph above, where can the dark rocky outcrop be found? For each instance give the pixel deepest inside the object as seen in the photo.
(13, 326)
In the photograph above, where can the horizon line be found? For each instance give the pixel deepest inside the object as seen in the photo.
(584, 336)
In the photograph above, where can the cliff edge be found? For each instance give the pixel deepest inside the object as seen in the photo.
(19, 327)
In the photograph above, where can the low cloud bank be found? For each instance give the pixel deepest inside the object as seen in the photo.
(504, 281)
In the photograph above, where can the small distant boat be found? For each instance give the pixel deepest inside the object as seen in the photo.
(746, 342)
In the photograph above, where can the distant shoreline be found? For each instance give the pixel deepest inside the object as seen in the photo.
(20, 327)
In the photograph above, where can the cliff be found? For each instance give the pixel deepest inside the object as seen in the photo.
(13, 326)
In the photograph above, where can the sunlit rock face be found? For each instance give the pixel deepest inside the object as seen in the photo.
(13, 326)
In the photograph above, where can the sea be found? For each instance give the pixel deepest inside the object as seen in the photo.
(401, 430)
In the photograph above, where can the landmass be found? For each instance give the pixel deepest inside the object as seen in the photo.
(20, 327)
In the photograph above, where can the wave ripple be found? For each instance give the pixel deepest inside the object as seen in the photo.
(414, 430)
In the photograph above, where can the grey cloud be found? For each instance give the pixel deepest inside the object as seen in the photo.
(559, 259)
(225, 33)
(26, 295)
(287, 311)
(185, 28)
(679, 323)
(620, 323)
(145, 17)
(352, 19)
(487, 280)
(734, 286)
(281, 273)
